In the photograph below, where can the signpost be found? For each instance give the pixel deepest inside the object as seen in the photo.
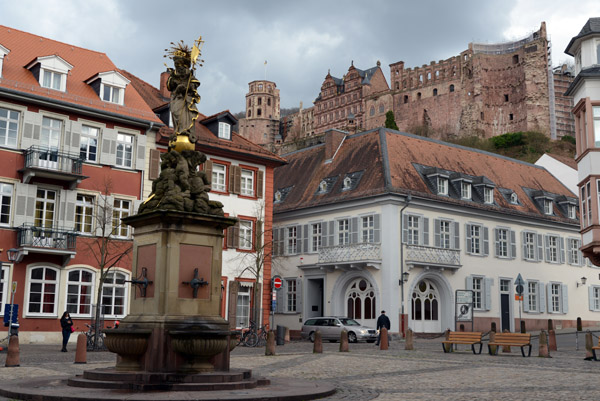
(464, 306)
(519, 289)
(277, 284)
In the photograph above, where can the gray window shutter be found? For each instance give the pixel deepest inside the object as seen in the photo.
(591, 297)
(281, 306)
(108, 154)
(23, 203)
(561, 250)
(154, 167)
(436, 233)
(208, 165)
(31, 129)
(513, 244)
(526, 296)
(426, 231)
(524, 243)
(136, 205)
(488, 293)
(377, 228)
(468, 248)
(324, 234)
(580, 256)
(469, 283)
(276, 241)
(299, 242)
(236, 235)
(456, 235)
(140, 157)
(69, 201)
(486, 241)
(305, 239)
(331, 232)
(75, 137)
(354, 231)
(260, 179)
(549, 296)
(404, 229)
(540, 247)
(281, 241)
(496, 242)
(547, 247)
(299, 298)
(542, 297)
(565, 298)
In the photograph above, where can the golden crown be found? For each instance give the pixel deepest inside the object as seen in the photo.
(179, 49)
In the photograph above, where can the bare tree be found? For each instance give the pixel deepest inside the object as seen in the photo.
(106, 247)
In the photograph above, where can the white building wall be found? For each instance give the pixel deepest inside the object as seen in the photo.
(562, 172)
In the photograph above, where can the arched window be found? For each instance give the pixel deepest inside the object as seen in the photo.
(258, 113)
(372, 111)
(397, 85)
(405, 98)
(347, 183)
(259, 101)
(249, 113)
(268, 101)
(451, 88)
(434, 91)
(360, 300)
(418, 95)
(381, 108)
(43, 285)
(114, 294)
(80, 288)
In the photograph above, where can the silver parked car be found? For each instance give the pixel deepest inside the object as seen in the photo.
(331, 328)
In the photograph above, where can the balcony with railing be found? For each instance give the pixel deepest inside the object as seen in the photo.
(31, 239)
(350, 255)
(51, 163)
(429, 256)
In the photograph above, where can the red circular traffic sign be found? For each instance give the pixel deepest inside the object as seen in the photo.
(277, 282)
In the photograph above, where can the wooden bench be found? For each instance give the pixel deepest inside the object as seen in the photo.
(463, 337)
(511, 340)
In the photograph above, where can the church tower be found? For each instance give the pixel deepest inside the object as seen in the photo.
(261, 124)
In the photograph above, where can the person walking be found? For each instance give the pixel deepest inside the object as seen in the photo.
(67, 328)
(382, 321)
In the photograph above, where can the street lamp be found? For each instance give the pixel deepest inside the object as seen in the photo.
(12, 254)
(583, 281)
(403, 277)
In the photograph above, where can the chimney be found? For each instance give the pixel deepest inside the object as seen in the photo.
(333, 140)
(164, 76)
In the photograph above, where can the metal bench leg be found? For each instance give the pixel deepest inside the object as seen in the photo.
(444, 348)
(480, 347)
(490, 350)
(594, 354)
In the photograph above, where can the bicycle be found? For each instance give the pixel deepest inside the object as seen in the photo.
(262, 334)
(90, 341)
(253, 337)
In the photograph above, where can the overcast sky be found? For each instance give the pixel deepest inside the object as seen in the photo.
(300, 40)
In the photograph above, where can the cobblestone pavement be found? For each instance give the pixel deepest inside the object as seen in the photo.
(367, 373)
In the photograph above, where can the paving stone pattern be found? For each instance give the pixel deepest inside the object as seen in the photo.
(367, 373)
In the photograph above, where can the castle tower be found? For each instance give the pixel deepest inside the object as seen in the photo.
(261, 124)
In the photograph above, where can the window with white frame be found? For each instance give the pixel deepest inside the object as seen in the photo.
(224, 131)
(533, 295)
(114, 294)
(445, 228)
(50, 139)
(84, 214)
(88, 144)
(368, 229)
(555, 298)
(571, 211)
(552, 249)
(529, 246)
(45, 206)
(478, 292)
(573, 253)
(595, 298)
(414, 229)
(548, 206)
(124, 150)
(242, 316)
(442, 185)
(80, 288)
(245, 234)
(112, 94)
(596, 117)
(219, 172)
(9, 127)
(316, 232)
(43, 286)
(291, 295)
(488, 195)
(502, 242)
(121, 209)
(588, 202)
(504, 286)
(514, 199)
(247, 178)
(474, 239)
(292, 240)
(343, 232)
(465, 190)
(6, 194)
(52, 79)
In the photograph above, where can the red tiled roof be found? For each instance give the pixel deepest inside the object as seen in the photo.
(389, 160)
(25, 47)
(149, 93)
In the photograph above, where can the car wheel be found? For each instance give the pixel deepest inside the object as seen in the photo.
(311, 337)
(352, 337)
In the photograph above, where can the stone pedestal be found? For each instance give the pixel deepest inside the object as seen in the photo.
(172, 326)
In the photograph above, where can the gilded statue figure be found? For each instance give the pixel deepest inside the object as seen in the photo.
(183, 86)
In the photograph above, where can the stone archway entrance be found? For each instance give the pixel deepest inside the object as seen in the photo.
(425, 307)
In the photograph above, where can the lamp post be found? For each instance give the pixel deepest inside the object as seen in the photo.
(403, 278)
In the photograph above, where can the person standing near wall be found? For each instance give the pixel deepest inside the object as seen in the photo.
(382, 321)
(67, 328)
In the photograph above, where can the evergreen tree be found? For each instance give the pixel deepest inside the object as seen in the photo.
(390, 121)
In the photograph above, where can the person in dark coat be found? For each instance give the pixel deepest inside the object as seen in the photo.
(66, 323)
(382, 321)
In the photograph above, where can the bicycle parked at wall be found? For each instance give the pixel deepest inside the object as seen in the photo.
(92, 342)
(253, 337)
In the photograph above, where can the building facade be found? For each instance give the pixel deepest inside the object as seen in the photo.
(72, 159)
(388, 220)
(585, 89)
(241, 175)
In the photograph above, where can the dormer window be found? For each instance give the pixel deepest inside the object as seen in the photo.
(224, 130)
(488, 195)
(109, 86)
(323, 186)
(514, 199)
(51, 72)
(278, 196)
(465, 190)
(548, 206)
(3, 52)
(572, 211)
(442, 185)
(347, 184)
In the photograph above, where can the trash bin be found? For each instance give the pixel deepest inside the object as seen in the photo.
(280, 336)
